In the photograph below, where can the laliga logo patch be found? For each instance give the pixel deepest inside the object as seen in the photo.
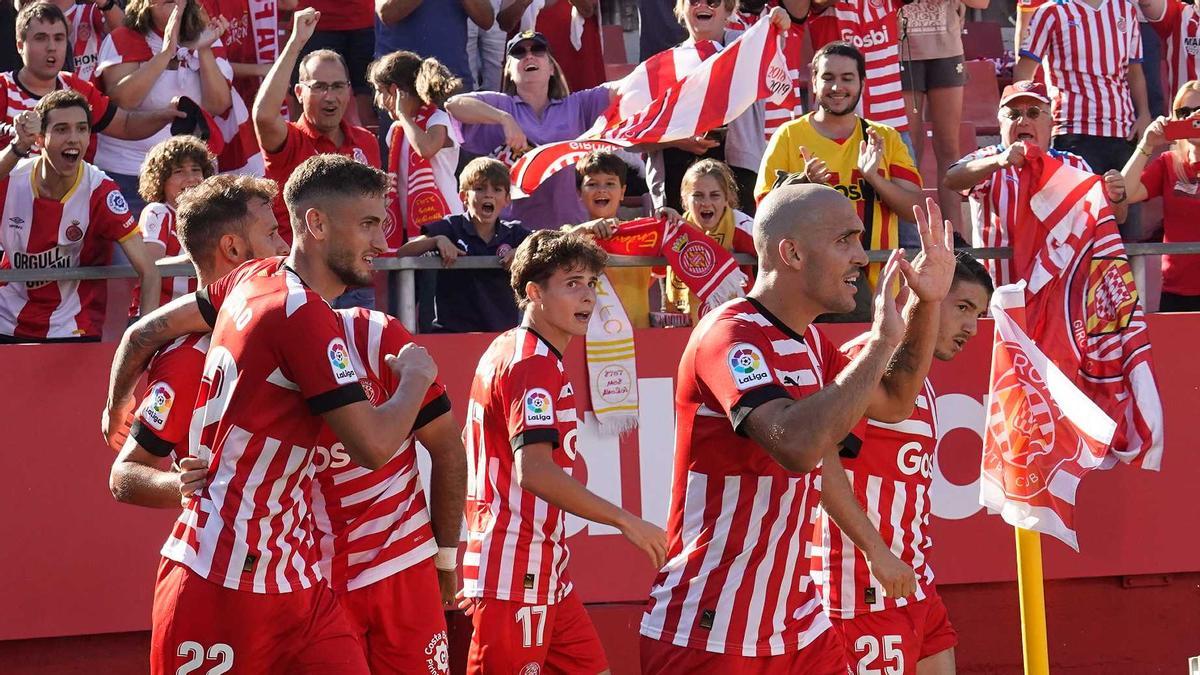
(747, 365)
(157, 407)
(339, 360)
(116, 203)
(538, 407)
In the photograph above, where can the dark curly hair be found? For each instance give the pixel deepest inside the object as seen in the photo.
(545, 251)
(167, 156)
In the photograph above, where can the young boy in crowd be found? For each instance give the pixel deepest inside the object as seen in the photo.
(475, 300)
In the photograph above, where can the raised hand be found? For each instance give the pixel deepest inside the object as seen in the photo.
(815, 168)
(779, 18)
(28, 125)
(1013, 155)
(931, 273)
(212, 32)
(870, 153)
(304, 24)
(171, 33)
(887, 322)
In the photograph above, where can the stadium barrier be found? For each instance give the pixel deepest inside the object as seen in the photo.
(401, 272)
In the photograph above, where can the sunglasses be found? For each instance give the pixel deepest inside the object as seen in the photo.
(1031, 113)
(1184, 112)
(520, 52)
(712, 4)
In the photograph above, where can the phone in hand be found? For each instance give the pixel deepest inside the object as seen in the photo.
(1180, 129)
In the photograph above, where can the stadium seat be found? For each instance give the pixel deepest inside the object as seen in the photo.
(981, 97)
(613, 38)
(982, 40)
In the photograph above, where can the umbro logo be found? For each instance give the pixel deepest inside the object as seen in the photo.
(16, 222)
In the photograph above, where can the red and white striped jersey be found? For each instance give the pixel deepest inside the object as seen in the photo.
(994, 207)
(157, 224)
(890, 478)
(516, 541)
(86, 32)
(1085, 54)
(165, 413)
(15, 99)
(373, 524)
(739, 526)
(276, 362)
(873, 27)
(43, 233)
(1179, 28)
(777, 114)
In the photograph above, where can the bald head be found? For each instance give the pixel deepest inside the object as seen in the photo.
(801, 213)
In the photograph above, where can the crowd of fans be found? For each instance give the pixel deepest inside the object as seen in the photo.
(442, 94)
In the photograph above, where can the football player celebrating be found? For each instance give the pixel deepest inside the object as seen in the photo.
(521, 447)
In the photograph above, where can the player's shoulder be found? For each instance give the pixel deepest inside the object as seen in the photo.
(529, 351)
(183, 356)
(379, 330)
(105, 191)
(734, 321)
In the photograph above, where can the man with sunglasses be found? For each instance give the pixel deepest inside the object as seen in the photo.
(988, 176)
(324, 91)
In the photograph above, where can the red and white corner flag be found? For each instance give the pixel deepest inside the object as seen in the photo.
(677, 94)
(1043, 434)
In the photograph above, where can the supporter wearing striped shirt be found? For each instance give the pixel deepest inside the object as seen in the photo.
(1178, 24)
(873, 27)
(1090, 52)
(890, 480)
(988, 176)
(242, 554)
(90, 22)
(521, 450)
(763, 399)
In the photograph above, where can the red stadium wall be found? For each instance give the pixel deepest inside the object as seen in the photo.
(75, 563)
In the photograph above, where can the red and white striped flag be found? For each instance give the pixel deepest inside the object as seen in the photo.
(1043, 434)
(674, 95)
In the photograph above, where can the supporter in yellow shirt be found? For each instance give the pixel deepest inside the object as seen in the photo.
(867, 162)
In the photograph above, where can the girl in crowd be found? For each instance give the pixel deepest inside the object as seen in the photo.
(1175, 176)
(535, 106)
(165, 50)
(423, 145)
(710, 200)
(173, 166)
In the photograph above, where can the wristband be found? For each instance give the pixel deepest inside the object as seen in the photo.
(1142, 149)
(446, 558)
(17, 151)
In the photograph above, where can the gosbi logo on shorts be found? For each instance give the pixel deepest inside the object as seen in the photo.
(157, 406)
(339, 360)
(747, 365)
(538, 407)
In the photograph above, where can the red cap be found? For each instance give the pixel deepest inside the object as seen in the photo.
(1024, 88)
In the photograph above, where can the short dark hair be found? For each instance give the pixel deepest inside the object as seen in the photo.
(842, 48)
(323, 176)
(39, 11)
(601, 161)
(970, 270)
(167, 156)
(484, 172)
(61, 99)
(545, 251)
(217, 206)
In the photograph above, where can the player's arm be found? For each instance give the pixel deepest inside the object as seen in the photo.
(837, 498)
(142, 261)
(538, 473)
(138, 345)
(269, 124)
(138, 477)
(372, 435)
(442, 437)
(928, 279)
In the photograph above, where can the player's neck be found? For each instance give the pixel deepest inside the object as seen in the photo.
(35, 86)
(558, 338)
(781, 301)
(315, 274)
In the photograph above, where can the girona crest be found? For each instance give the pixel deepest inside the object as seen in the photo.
(1111, 296)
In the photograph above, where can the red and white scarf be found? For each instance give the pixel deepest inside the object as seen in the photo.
(674, 95)
(238, 150)
(778, 113)
(423, 201)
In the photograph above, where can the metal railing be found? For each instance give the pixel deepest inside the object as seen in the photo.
(401, 272)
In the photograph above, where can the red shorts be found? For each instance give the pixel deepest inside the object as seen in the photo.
(200, 626)
(512, 637)
(400, 622)
(894, 640)
(822, 656)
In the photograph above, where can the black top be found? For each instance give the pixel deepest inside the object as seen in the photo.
(470, 301)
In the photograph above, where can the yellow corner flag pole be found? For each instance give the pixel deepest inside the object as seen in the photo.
(1033, 602)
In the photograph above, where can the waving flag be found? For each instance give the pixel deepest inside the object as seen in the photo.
(1043, 434)
(674, 95)
(1082, 303)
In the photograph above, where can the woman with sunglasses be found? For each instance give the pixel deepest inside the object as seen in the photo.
(535, 106)
(741, 144)
(988, 176)
(1175, 176)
